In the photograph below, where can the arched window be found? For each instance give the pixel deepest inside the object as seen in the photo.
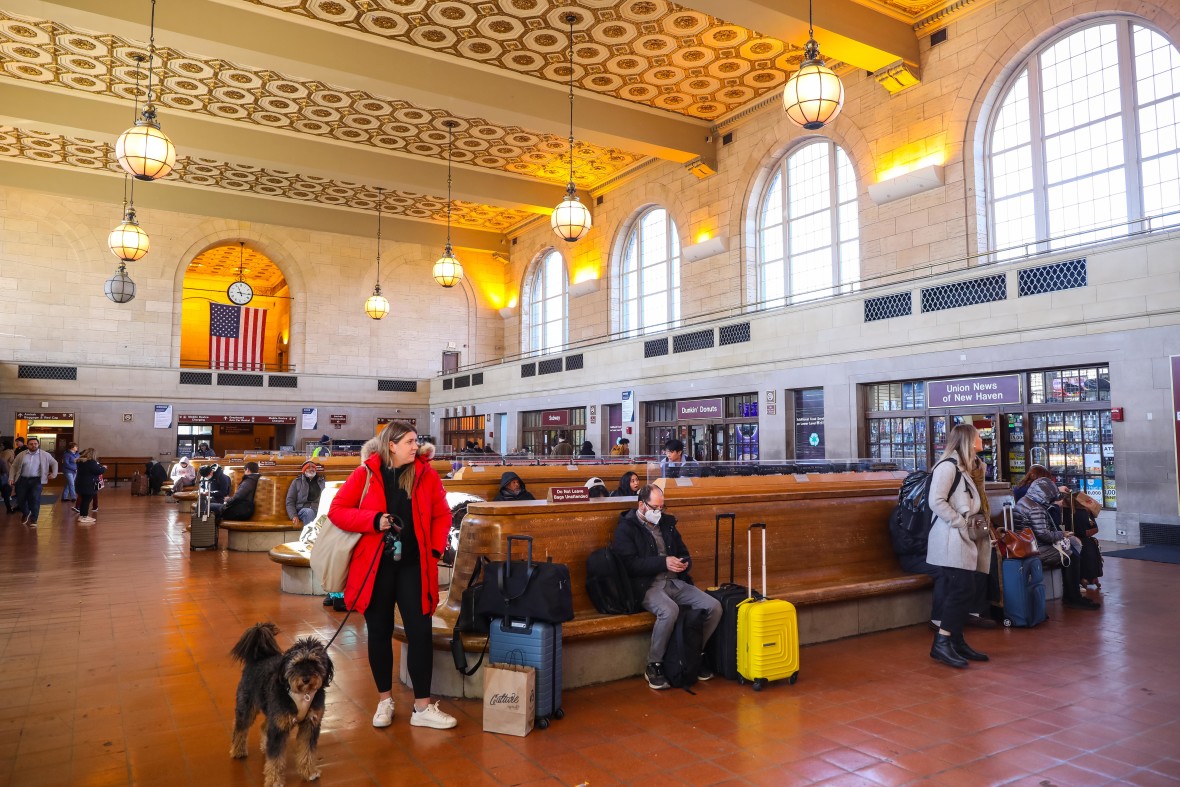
(808, 234)
(1086, 142)
(547, 305)
(651, 275)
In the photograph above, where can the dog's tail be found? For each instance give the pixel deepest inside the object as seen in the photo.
(257, 643)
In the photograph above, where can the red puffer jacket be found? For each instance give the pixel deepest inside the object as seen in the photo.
(432, 525)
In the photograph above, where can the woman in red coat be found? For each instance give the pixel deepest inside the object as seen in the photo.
(397, 502)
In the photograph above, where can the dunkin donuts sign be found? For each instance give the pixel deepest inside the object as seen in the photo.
(696, 409)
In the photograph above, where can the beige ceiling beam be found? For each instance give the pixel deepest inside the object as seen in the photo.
(846, 30)
(103, 118)
(102, 186)
(263, 38)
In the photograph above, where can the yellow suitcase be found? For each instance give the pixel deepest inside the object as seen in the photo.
(768, 631)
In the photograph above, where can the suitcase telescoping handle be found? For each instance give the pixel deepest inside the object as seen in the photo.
(750, 562)
(529, 558)
(1008, 516)
(717, 548)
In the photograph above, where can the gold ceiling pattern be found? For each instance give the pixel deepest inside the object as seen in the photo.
(54, 149)
(49, 53)
(649, 52)
(222, 262)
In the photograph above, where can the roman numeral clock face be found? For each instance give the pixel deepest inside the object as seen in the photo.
(240, 293)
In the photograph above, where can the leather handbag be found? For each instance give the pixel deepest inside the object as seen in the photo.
(332, 552)
(470, 621)
(525, 589)
(1013, 543)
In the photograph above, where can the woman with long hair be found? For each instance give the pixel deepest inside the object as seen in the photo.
(86, 483)
(958, 542)
(628, 485)
(397, 502)
(1034, 473)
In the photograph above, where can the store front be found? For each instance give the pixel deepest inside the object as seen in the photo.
(714, 429)
(1059, 418)
(55, 431)
(233, 433)
(541, 429)
(458, 432)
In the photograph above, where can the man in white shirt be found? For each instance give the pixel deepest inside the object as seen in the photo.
(31, 470)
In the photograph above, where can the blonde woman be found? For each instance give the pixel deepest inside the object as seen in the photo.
(397, 502)
(959, 542)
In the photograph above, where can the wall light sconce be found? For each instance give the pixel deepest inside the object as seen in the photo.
(508, 312)
(578, 289)
(703, 250)
(907, 184)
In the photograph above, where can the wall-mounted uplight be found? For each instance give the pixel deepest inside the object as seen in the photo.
(907, 184)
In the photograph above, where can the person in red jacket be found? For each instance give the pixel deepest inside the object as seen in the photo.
(397, 502)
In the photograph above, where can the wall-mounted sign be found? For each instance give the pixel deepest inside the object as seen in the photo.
(568, 494)
(628, 406)
(277, 420)
(974, 391)
(311, 417)
(555, 418)
(384, 421)
(696, 409)
(44, 416)
(338, 418)
(128, 417)
(163, 416)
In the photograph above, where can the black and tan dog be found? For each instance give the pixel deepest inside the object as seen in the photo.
(288, 688)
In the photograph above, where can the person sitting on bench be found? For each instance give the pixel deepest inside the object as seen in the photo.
(241, 505)
(157, 476)
(1054, 544)
(675, 464)
(512, 488)
(303, 496)
(654, 554)
(184, 475)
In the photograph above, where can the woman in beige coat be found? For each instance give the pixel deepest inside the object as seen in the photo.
(958, 542)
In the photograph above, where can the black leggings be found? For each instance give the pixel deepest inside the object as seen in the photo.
(399, 582)
(85, 501)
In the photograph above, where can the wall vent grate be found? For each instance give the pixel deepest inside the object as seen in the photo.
(654, 348)
(448, 383)
(965, 293)
(1067, 275)
(574, 362)
(26, 372)
(889, 306)
(528, 370)
(463, 381)
(734, 334)
(400, 386)
(282, 382)
(196, 378)
(1162, 535)
(477, 378)
(697, 340)
(549, 366)
(240, 380)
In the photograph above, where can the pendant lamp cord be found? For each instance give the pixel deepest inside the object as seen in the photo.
(571, 18)
(810, 21)
(241, 257)
(151, 51)
(380, 200)
(450, 144)
(126, 177)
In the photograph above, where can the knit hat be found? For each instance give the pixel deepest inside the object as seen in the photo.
(324, 439)
(306, 465)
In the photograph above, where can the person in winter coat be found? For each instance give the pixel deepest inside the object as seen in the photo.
(69, 468)
(216, 480)
(657, 561)
(563, 447)
(622, 447)
(512, 488)
(303, 496)
(87, 483)
(241, 505)
(628, 485)
(157, 476)
(1033, 511)
(958, 543)
(5, 487)
(1080, 514)
(184, 475)
(587, 449)
(397, 502)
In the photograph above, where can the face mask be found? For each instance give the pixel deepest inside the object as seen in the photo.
(653, 516)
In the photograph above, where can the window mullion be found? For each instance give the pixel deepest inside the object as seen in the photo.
(1036, 110)
(788, 290)
(834, 210)
(1131, 154)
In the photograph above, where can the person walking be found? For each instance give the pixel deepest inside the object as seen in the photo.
(397, 502)
(69, 464)
(32, 469)
(87, 484)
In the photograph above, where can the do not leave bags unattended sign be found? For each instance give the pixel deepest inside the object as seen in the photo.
(509, 699)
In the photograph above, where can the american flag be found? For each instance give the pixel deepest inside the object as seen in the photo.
(236, 335)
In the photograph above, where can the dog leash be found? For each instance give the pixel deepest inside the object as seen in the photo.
(352, 606)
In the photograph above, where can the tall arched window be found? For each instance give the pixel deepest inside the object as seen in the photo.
(651, 275)
(1086, 142)
(547, 305)
(808, 233)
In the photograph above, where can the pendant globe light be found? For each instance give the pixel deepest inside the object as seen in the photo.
(448, 271)
(128, 241)
(377, 305)
(571, 219)
(143, 150)
(814, 95)
(119, 288)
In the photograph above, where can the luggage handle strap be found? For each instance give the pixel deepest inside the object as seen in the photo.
(505, 572)
(750, 562)
(717, 547)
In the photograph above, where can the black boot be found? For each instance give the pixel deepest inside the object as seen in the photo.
(942, 650)
(966, 651)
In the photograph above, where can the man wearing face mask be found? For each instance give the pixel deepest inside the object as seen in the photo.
(656, 559)
(303, 496)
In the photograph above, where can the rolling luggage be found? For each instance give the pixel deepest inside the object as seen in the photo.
(721, 649)
(203, 531)
(139, 484)
(1022, 586)
(767, 632)
(533, 644)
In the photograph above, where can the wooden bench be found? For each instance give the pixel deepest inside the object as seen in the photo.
(270, 525)
(484, 480)
(829, 553)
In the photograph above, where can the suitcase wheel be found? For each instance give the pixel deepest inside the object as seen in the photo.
(543, 722)
(1007, 623)
(794, 677)
(559, 714)
(759, 683)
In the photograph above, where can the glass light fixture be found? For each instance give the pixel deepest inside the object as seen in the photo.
(447, 270)
(128, 241)
(814, 94)
(143, 150)
(119, 288)
(377, 305)
(571, 219)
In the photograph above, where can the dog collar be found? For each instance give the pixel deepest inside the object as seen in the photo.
(302, 704)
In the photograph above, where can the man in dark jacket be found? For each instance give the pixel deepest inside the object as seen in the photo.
(303, 496)
(512, 488)
(157, 476)
(241, 505)
(648, 543)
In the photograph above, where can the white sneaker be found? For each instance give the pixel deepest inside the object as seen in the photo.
(384, 715)
(432, 717)
(87, 520)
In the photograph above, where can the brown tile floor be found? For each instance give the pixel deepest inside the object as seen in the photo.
(114, 641)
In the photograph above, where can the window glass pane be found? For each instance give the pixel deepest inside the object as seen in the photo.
(1012, 127)
(809, 180)
(1096, 201)
(651, 272)
(1157, 66)
(655, 311)
(772, 206)
(554, 275)
(1079, 78)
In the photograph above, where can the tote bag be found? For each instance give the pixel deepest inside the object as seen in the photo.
(332, 551)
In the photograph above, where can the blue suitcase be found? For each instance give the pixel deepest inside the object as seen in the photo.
(1024, 592)
(536, 645)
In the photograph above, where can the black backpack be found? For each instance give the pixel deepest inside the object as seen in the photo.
(682, 658)
(909, 524)
(608, 585)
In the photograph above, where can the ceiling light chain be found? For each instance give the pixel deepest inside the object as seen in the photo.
(814, 94)
(571, 219)
(377, 305)
(448, 271)
(144, 150)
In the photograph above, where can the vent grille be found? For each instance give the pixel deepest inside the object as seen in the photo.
(477, 378)
(448, 383)
(574, 362)
(888, 306)
(697, 340)
(282, 382)
(965, 293)
(196, 378)
(463, 381)
(549, 366)
(46, 372)
(1164, 535)
(734, 334)
(240, 380)
(402, 386)
(655, 347)
(528, 370)
(1067, 275)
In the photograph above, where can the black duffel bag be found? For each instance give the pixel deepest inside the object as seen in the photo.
(524, 589)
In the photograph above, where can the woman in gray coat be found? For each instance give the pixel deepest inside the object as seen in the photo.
(959, 542)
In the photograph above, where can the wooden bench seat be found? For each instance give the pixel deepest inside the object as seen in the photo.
(270, 525)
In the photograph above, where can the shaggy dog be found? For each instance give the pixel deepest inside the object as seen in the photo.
(288, 688)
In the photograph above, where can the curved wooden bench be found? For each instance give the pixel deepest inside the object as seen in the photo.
(484, 480)
(297, 576)
(269, 526)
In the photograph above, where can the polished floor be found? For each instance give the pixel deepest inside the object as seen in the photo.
(114, 642)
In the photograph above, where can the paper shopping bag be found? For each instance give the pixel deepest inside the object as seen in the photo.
(509, 699)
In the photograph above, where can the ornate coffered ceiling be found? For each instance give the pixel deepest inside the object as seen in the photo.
(221, 262)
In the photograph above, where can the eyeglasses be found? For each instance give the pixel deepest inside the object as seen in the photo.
(655, 508)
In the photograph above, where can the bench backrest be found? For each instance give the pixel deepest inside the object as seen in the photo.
(484, 481)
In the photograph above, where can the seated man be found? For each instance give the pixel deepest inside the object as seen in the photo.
(241, 505)
(303, 496)
(184, 475)
(204, 451)
(674, 464)
(157, 475)
(512, 488)
(650, 547)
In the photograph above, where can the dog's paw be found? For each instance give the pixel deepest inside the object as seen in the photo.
(311, 777)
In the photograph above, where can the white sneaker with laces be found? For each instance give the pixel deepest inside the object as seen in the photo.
(432, 716)
(89, 520)
(384, 715)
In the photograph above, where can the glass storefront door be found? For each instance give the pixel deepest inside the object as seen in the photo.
(940, 425)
